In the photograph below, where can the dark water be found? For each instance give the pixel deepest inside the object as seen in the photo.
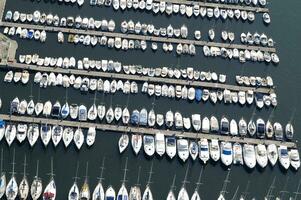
(286, 75)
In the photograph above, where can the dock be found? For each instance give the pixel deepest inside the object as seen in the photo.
(103, 128)
(8, 48)
(140, 78)
(2, 7)
(148, 38)
(219, 5)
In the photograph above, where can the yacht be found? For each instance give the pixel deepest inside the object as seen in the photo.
(205, 125)
(214, 125)
(261, 155)
(251, 128)
(45, 133)
(122, 193)
(196, 121)
(110, 193)
(125, 116)
(56, 110)
(214, 150)
(249, 155)
(56, 134)
(178, 120)
(193, 150)
(117, 113)
(21, 132)
(160, 143)
(24, 186)
(149, 145)
(10, 134)
(260, 128)
(204, 150)
(73, 109)
(36, 187)
(92, 113)
(233, 128)
(169, 119)
(123, 142)
(278, 131)
(237, 154)
(272, 154)
(283, 157)
(78, 138)
(82, 113)
(226, 153)
(136, 141)
(242, 127)
(33, 134)
(73, 192)
(183, 150)
(224, 127)
(170, 146)
(67, 136)
(289, 131)
(151, 118)
(269, 130)
(135, 117)
(294, 158)
(91, 134)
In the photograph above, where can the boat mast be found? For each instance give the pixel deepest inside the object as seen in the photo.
(24, 169)
(172, 187)
(199, 180)
(76, 173)
(284, 191)
(37, 170)
(138, 177)
(86, 176)
(235, 194)
(245, 193)
(125, 170)
(150, 175)
(185, 179)
(269, 194)
(297, 192)
(51, 169)
(13, 163)
(226, 181)
(102, 169)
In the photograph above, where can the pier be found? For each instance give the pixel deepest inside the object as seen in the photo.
(142, 78)
(138, 37)
(2, 7)
(141, 130)
(8, 49)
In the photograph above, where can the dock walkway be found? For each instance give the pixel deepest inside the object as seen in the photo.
(142, 130)
(138, 78)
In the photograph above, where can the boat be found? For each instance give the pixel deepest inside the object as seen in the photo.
(135, 117)
(98, 193)
(2, 178)
(283, 157)
(82, 113)
(33, 134)
(123, 193)
(205, 125)
(67, 136)
(193, 150)
(110, 193)
(171, 195)
(294, 158)
(261, 155)
(136, 141)
(269, 130)
(204, 150)
(101, 111)
(151, 118)
(149, 145)
(10, 134)
(289, 131)
(183, 149)
(242, 127)
(11, 191)
(249, 155)
(178, 120)
(56, 134)
(272, 154)
(38, 109)
(21, 132)
(73, 111)
(237, 154)
(260, 128)
(278, 131)
(224, 127)
(233, 128)
(214, 125)
(183, 194)
(147, 194)
(91, 134)
(169, 119)
(56, 110)
(196, 122)
(160, 143)
(123, 142)
(92, 113)
(170, 146)
(143, 117)
(30, 107)
(14, 106)
(125, 116)
(110, 115)
(73, 192)
(85, 190)
(251, 128)
(118, 113)
(36, 187)
(214, 150)
(226, 153)
(24, 186)
(45, 133)
(78, 138)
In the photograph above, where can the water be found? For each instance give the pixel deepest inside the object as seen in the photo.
(286, 77)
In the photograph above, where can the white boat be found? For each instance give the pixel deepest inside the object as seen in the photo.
(149, 145)
(38, 109)
(45, 134)
(36, 187)
(249, 155)
(125, 116)
(56, 134)
(196, 121)
(78, 138)
(160, 143)
(204, 150)
(178, 120)
(289, 131)
(147, 194)
(224, 127)
(214, 150)
(118, 113)
(136, 141)
(283, 157)
(24, 186)
(294, 158)
(272, 154)
(151, 118)
(122, 193)
(101, 111)
(261, 155)
(278, 131)
(11, 191)
(65, 111)
(226, 153)
(33, 134)
(233, 128)
(237, 154)
(73, 192)
(91, 134)
(21, 132)
(22, 107)
(170, 195)
(123, 142)
(2, 178)
(183, 149)
(242, 127)
(183, 194)
(251, 128)
(110, 193)
(92, 112)
(47, 108)
(170, 146)
(159, 119)
(110, 115)
(169, 119)
(193, 150)
(205, 125)
(214, 125)
(82, 113)
(260, 128)
(10, 134)
(73, 111)
(30, 107)
(135, 193)
(50, 190)
(67, 136)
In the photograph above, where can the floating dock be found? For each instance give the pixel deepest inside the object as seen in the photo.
(141, 130)
(138, 37)
(141, 78)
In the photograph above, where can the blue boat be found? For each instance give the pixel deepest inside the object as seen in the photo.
(30, 34)
(143, 117)
(135, 117)
(198, 95)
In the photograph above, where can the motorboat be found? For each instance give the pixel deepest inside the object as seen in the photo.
(183, 149)
(22, 107)
(233, 127)
(260, 128)
(73, 110)
(205, 125)
(214, 150)
(214, 125)
(249, 155)
(294, 158)
(169, 119)
(178, 120)
(284, 157)
(242, 127)
(278, 131)
(125, 116)
(123, 142)
(224, 126)
(193, 150)
(78, 138)
(272, 154)
(21, 132)
(143, 117)
(149, 145)
(261, 155)
(110, 193)
(56, 110)
(33, 134)
(92, 113)
(269, 130)
(45, 134)
(82, 113)
(289, 131)
(67, 136)
(186, 123)
(251, 128)
(56, 134)
(135, 117)
(101, 111)
(91, 134)
(196, 121)
(159, 119)
(226, 153)
(170, 146)
(160, 143)
(237, 154)
(136, 141)
(204, 150)
(117, 113)
(14, 106)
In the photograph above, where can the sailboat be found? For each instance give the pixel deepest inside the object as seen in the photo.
(90, 139)
(171, 195)
(45, 134)
(123, 193)
(12, 186)
(195, 195)
(78, 138)
(98, 193)
(74, 191)
(36, 185)
(110, 193)
(123, 142)
(68, 136)
(50, 189)
(183, 195)
(85, 190)
(24, 186)
(223, 191)
(3, 177)
(243, 196)
(135, 192)
(147, 194)
(136, 141)
(269, 194)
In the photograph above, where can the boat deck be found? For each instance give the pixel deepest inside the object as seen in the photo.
(142, 78)
(141, 130)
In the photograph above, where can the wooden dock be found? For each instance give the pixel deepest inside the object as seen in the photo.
(139, 37)
(219, 5)
(141, 78)
(130, 129)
